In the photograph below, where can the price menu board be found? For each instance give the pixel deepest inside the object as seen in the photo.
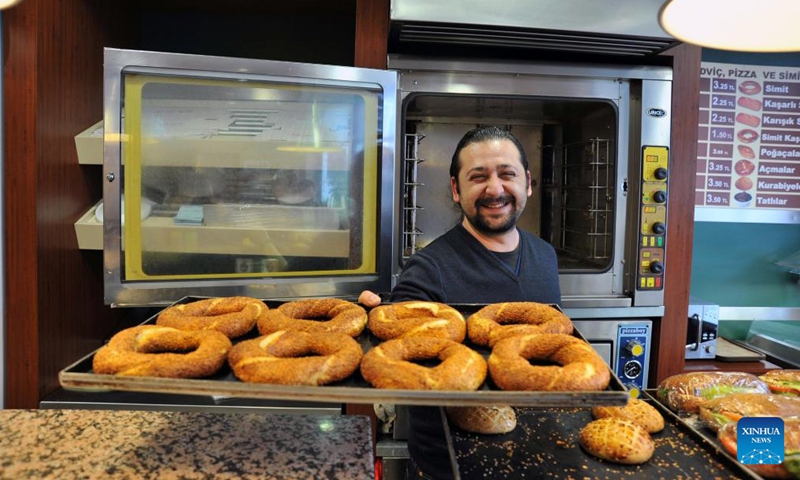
(748, 150)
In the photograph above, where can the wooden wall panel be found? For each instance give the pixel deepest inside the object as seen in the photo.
(671, 334)
(19, 175)
(54, 291)
(53, 90)
(372, 33)
(371, 47)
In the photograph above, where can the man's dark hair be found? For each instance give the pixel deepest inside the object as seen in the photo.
(482, 134)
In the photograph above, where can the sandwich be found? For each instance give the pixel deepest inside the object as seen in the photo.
(729, 409)
(748, 119)
(750, 103)
(685, 392)
(790, 468)
(785, 382)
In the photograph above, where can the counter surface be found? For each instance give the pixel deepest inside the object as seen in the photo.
(94, 444)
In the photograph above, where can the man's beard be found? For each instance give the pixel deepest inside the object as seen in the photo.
(483, 224)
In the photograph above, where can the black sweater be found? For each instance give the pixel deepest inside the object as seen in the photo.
(457, 268)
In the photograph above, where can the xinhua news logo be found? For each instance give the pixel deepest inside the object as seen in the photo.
(759, 440)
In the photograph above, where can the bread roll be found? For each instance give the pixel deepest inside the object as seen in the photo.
(637, 411)
(617, 440)
(493, 419)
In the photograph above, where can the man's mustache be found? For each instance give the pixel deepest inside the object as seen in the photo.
(485, 202)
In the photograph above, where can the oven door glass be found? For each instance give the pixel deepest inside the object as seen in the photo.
(571, 147)
(248, 178)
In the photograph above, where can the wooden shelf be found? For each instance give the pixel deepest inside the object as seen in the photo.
(757, 367)
(89, 144)
(206, 153)
(160, 234)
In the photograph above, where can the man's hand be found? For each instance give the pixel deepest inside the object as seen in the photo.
(369, 299)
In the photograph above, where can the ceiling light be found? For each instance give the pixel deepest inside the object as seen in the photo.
(740, 25)
(8, 3)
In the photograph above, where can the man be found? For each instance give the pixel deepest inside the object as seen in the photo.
(483, 259)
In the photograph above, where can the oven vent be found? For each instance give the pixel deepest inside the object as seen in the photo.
(409, 33)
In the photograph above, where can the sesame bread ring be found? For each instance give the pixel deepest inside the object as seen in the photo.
(232, 316)
(324, 315)
(579, 366)
(390, 365)
(295, 358)
(750, 87)
(417, 318)
(153, 351)
(617, 440)
(637, 411)
(501, 320)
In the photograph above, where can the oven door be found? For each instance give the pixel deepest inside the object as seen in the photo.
(581, 127)
(245, 177)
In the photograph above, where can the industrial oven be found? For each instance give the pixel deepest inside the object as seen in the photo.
(281, 180)
(597, 142)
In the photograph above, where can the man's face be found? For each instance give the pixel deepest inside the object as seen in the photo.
(492, 186)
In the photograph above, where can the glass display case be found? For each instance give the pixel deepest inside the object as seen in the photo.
(245, 177)
(747, 269)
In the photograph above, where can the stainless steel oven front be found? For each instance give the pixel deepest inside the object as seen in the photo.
(624, 344)
(597, 140)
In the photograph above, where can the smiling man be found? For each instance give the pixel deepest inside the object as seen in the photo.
(490, 181)
(485, 258)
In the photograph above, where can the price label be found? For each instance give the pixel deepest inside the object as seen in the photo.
(718, 183)
(722, 118)
(716, 166)
(723, 101)
(722, 134)
(717, 199)
(724, 150)
(723, 85)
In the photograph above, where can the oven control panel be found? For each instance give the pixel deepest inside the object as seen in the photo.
(633, 355)
(653, 218)
(623, 344)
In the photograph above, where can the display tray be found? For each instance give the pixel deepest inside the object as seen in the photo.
(545, 445)
(354, 389)
(692, 420)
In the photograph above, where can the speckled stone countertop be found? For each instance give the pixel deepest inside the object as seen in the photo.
(108, 444)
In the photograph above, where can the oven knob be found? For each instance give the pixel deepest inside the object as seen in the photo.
(656, 267)
(659, 196)
(632, 369)
(659, 228)
(660, 173)
(633, 390)
(634, 348)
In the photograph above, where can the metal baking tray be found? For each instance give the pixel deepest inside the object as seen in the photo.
(692, 421)
(79, 376)
(545, 445)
